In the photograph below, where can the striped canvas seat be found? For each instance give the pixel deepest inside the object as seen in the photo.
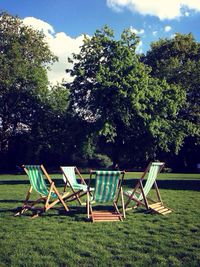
(70, 180)
(108, 189)
(140, 193)
(151, 177)
(106, 185)
(49, 194)
(69, 172)
(37, 180)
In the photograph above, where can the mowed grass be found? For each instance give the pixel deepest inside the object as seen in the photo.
(142, 239)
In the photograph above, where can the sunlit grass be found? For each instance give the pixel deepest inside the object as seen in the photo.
(56, 239)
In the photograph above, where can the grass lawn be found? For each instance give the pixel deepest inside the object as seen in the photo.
(56, 239)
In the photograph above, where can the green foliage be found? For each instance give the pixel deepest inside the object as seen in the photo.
(101, 161)
(178, 61)
(58, 98)
(113, 90)
(24, 57)
(119, 106)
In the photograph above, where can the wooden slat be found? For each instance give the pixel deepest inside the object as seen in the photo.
(106, 220)
(162, 209)
(131, 208)
(105, 213)
(34, 216)
(166, 212)
(105, 216)
(159, 208)
(102, 219)
(155, 205)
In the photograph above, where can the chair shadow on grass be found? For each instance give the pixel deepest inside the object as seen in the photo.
(162, 184)
(10, 201)
(193, 185)
(77, 213)
(58, 182)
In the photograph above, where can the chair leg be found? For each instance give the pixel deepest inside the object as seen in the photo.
(20, 212)
(127, 202)
(122, 200)
(78, 197)
(116, 208)
(88, 206)
(23, 209)
(65, 186)
(48, 197)
(60, 198)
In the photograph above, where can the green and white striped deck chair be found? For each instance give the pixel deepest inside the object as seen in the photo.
(78, 189)
(140, 193)
(108, 188)
(36, 174)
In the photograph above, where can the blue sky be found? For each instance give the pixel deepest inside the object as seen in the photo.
(65, 21)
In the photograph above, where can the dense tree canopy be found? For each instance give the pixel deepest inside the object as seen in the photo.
(24, 57)
(120, 106)
(113, 90)
(178, 61)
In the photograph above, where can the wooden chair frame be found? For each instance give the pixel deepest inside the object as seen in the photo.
(149, 203)
(76, 195)
(45, 199)
(103, 216)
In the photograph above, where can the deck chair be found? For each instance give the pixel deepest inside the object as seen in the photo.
(78, 189)
(36, 174)
(108, 188)
(140, 193)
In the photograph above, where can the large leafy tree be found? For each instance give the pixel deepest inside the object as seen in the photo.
(48, 138)
(132, 112)
(178, 61)
(24, 58)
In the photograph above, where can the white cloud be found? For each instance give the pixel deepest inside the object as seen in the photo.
(155, 33)
(63, 46)
(138, 32)
(60, 44)
(162, 9)
(167, 28)
(39, 25)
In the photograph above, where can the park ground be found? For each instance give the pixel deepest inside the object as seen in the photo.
(142, 239)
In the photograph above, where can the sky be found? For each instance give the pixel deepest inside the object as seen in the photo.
(64, 22)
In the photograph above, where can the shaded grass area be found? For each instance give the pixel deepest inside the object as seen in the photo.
(129, 175)
(59, 239)
(165, 180)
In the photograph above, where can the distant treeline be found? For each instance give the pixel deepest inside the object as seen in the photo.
(121, 109)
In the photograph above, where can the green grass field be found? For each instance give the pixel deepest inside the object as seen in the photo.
(58, 239)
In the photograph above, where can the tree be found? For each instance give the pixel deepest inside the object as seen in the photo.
(50, 134)
(24, 57)
(49, 139)
(112, 90)
(178, 61)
